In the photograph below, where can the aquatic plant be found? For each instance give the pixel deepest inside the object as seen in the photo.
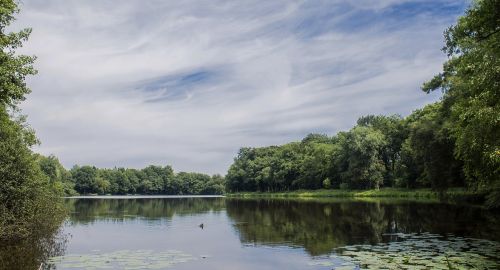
(417, 251)
(122, 259)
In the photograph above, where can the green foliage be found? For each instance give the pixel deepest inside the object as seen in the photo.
(85, 179)
(150, 180)
(359, 162)
(57, 174)
(471, 84)
(28, 200)
(291, 166)
(428, 150)
(13, 68)
(352, 157)
(395, 132)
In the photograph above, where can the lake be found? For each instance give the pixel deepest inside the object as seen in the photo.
(166, 233)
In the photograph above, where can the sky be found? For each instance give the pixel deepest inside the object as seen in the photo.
(130, 83)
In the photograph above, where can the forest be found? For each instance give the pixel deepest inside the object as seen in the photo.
(380, 151)
(150, 180)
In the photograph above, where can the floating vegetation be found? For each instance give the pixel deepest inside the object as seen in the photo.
(123, 259)
(418, 251)
(321, 263)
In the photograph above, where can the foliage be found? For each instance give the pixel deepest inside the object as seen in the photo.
(359, 161)
(28, 200)
(13, 68)
(395, 132)
(25, 194)
(381, 151)
(471, 84)
(352, 158)
(150, 180)
(57, 174)
(428, 150)
(451, 195)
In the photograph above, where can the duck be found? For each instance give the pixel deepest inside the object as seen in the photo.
(201, 226)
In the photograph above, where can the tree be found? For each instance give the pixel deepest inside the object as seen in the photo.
(215, 185)
(57, 174)
(359, 161)
(15, 68)
(429, 149)
(471, 84)
(395, 133)
(29, 203)
(314, 164)
(85, 179)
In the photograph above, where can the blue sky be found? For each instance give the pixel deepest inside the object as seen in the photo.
(187, 83)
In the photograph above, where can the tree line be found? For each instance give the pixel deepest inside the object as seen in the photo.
(380, 151)
(120, 181)
(452, 143)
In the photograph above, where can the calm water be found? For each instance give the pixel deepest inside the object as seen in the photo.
(164, 233)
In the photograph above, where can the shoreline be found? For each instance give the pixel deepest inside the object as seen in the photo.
(426, 193)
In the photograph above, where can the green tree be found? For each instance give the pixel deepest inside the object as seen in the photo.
(395, 133)
(57, 174)
(215, 185)
(429, 150)
(29, 203)
(359, 162)
(14, 68)
(471, 84)
(85, 179)
(315, 163)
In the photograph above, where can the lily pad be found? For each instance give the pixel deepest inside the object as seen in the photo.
(122, 259)
(422, 251)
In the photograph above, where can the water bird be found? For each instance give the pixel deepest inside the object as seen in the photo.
(201, 226)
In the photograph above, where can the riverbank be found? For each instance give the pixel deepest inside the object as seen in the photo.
(453, 194)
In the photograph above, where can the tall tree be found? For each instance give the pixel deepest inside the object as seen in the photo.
(395, 133)
(28, 201)
(429, 149)
(471, 84)
(359, 161)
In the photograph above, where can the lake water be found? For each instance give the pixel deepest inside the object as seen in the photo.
(165, 233)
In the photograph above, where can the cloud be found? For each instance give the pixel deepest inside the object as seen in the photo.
(131, 83)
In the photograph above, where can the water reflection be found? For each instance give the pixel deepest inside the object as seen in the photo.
(281, 233)
(85, 211)
(321, 226)
(318, 225)
(32, 253)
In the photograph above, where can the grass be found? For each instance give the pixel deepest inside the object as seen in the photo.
(455, 193)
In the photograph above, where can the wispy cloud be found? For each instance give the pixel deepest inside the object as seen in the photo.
(130, 83)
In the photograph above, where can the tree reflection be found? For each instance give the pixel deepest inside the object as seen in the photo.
(320, 226)
(91, 210)
(317, 225)
(32, 253)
